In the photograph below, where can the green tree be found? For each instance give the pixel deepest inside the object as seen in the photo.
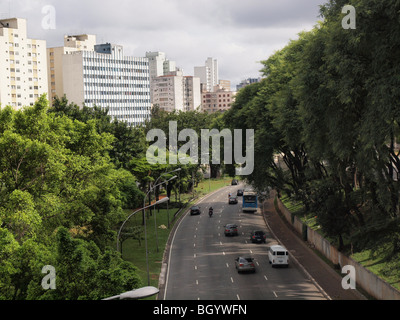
(84, 273)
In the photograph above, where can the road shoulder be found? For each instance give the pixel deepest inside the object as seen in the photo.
(318, 271)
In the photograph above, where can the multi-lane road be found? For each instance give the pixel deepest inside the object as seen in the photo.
(201, 259)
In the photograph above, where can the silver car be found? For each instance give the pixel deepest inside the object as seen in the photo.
(231, 230)
(245, 264)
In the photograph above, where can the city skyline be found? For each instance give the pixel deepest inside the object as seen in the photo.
(238, 34)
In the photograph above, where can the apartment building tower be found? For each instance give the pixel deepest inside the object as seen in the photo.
(175, 92)
(104, 77)
(219, 100)
(159, 66)
(208, 74)
(23, 65)
(55, 59)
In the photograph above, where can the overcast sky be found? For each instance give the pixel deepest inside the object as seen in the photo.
(239, 34)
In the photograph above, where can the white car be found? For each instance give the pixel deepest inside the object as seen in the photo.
(278, 256)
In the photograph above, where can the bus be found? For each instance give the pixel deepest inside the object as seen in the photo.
(249, 201)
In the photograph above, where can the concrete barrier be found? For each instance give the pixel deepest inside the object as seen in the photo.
(368, 281)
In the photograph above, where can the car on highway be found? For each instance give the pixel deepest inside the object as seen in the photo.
(278, 256)
(239, 193)
(194, 210)
(231, 230)
(245, 264)
(258, 236)
(233, 200)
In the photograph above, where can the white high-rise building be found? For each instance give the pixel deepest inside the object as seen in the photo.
(156, 64)
(175, 92)
(105, 77)
(23, 65)
(208, 74)
(55, 57)
(159, 66)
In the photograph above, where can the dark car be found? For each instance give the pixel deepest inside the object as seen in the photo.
(231, 230)
(258, 237)
(239, 192)
(245, 264)
(234, 182)
(194, 210)
(233, 200)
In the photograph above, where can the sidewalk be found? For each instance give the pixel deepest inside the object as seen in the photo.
(312, 265)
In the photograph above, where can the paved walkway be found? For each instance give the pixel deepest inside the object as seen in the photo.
(318, 270)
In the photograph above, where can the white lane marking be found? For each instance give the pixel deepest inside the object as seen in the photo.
(232, 279)
(275, 294)
(173, 240)
(265, 277)
(238, 297)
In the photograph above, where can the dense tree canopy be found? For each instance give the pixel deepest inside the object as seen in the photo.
(326, 117)
(57, 174)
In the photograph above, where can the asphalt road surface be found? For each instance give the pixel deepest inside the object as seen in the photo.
(201, 262)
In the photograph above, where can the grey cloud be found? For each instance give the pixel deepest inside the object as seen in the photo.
(237, 33)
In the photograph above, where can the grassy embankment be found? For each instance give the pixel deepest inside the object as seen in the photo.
(372, 259)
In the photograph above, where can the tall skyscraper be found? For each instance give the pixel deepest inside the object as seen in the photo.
(105, 77)
(159, 66)
(23, 65)
(208, 74)
(55, 59)
(175, 92)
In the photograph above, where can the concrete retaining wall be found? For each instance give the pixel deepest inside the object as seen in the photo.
(368, 281)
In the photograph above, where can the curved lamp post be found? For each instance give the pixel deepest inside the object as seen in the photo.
(153, 187)
(136, 294)
(145, 233)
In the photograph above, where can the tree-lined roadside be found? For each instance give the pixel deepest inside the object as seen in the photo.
(69, 177)
(326, 120)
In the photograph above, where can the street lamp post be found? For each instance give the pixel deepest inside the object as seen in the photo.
(153, 187)
(145, 232)
(155, 212)
(209, 175)
(135, 294)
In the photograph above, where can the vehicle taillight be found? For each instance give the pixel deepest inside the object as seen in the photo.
(254, 237)
(241, 265)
